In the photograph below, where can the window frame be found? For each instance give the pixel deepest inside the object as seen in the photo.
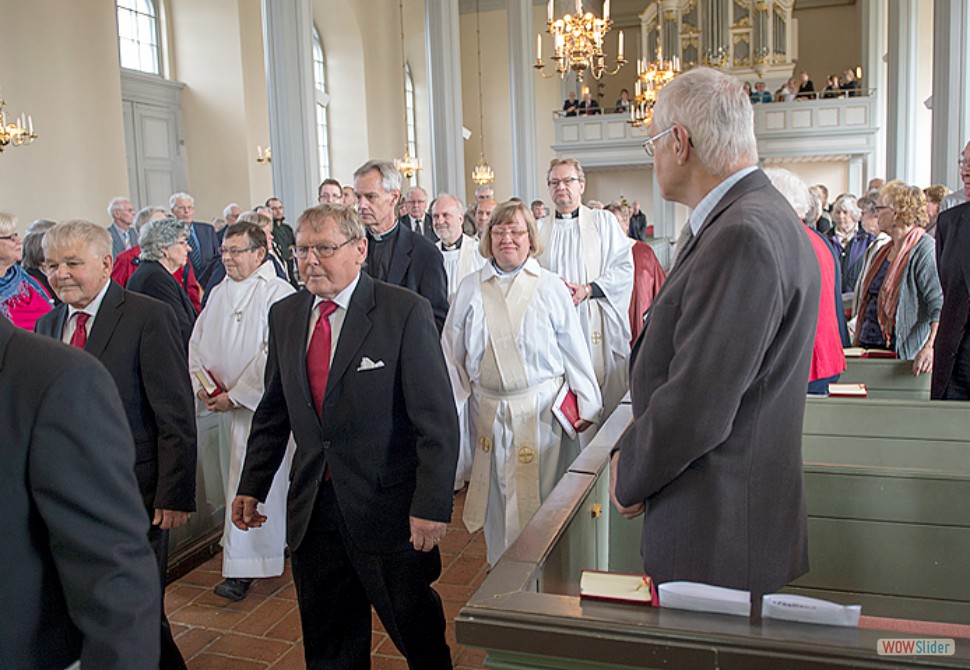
(154, 16)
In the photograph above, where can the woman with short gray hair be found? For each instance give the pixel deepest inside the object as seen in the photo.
(849, 239)
(164, 253)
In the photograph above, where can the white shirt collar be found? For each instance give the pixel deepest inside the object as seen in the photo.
(343, 298)
(531, 266)
(93, 306)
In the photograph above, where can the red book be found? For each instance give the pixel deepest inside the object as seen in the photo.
(209, 383)
(618, 587)
(566, 410)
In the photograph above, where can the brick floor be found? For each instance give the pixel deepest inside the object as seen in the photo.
(263, 631)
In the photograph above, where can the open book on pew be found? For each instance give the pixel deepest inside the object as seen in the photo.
(859, 352)
(618, 587)
(698, 597)
(848, 390)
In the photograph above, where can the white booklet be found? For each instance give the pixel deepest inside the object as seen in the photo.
(809, 610)
(699, 597)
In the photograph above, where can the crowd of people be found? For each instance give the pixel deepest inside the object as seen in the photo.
(845, 85)
(390, 349)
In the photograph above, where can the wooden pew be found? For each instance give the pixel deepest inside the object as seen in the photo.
(887, 378)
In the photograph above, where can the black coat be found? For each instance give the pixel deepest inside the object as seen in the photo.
(154, 280)
(79, 579)
(136, 338)
(953, 263)
(389, 435)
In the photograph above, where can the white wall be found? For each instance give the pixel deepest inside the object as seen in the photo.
(60, 65)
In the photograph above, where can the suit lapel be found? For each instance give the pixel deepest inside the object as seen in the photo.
(296, 339)
(58, 318)
(963, 243)
(6, 332)
(109, 313)
(353, 332)
(402, 257)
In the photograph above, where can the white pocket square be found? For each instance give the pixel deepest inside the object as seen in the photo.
(368, 364)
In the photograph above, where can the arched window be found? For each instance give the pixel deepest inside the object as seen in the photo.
(409, 110)
(321, 99)
(138, 36)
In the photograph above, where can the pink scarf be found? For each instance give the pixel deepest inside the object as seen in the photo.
(889, 293)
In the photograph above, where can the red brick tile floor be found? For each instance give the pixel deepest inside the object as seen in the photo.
(263, 630)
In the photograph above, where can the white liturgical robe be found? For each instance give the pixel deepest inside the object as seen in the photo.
(551, 347)
(230, 341)
(592, 249)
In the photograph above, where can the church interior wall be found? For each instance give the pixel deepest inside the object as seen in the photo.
(924, 89)
(631, 184)
(834, 174)
(60, 65)
(829, 40)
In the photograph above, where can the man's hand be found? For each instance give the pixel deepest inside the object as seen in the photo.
(218, 403)
(244, 513)
(425, 535)
(631, 512)
(166, 519)
(582, 425)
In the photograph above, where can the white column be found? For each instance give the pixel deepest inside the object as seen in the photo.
(951, 88)
(287, 34)
(857, 183)
(525, 170)
(444, 90)
(901, 89)
(874, 74)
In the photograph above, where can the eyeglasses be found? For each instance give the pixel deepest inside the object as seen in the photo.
(963, 163)
(565, 181)
(499, 233)
(650, 143)
(235, 252)
(14, 237)
(321, 250)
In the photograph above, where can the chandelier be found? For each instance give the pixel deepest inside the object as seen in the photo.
(577, 43)
(483, 173)
(18, 133)
(651, 77)
(263, 156)
(409, 165)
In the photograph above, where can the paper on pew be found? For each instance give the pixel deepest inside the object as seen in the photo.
(699, 597)
(809, 610)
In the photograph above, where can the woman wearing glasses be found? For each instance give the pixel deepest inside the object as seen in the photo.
(513, 345)
(229, 343)
(164, 253)
(900, 296)
(22, 298)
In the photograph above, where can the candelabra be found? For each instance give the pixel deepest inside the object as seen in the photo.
(18, 133)
(577, 44)
(263, 156)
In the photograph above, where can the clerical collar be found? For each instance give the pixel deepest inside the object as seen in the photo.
(568, 215)
(451, 247)
(387, 234)
(502, 273)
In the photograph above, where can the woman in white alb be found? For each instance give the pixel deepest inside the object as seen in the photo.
(512, 341)
(229, 341)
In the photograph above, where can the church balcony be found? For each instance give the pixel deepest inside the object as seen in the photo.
(838, 129)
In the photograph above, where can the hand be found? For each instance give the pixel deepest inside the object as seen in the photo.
(923, 361)
(631, 512)
(425, 535)
(579, 292)
(218, 403)
(244, 513)
(582, 425)
(166, 519)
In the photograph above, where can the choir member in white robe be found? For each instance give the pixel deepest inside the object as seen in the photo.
(589, 251)
(230, 342)
(512, 341)
(461, 258)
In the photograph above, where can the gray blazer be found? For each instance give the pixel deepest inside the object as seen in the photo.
(718, 385)
(920, 299)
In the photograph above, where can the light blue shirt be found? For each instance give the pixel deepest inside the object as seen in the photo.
(710, 201)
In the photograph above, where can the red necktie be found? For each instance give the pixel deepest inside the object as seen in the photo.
(80, 336)
(318, 355)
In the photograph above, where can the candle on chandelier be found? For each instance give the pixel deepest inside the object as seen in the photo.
(538, 48)
(579, 7)
(620, 50)
(259, 152)
(549, 10)
(30, 124)
(606, 10)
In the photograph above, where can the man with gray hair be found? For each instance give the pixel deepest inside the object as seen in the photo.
(395, 253)
(460, 252)
(122, 214)
(203, 240)
(960, 196)
(469, 226)
(418, 218)
(712, 457)
(137, 340)
(231, 213)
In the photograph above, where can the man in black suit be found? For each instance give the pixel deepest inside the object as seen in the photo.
(395, 253)
(370, 406)
(137, 339)
(79, 581)
(203, 239)
(283, 238)
(418, 218)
